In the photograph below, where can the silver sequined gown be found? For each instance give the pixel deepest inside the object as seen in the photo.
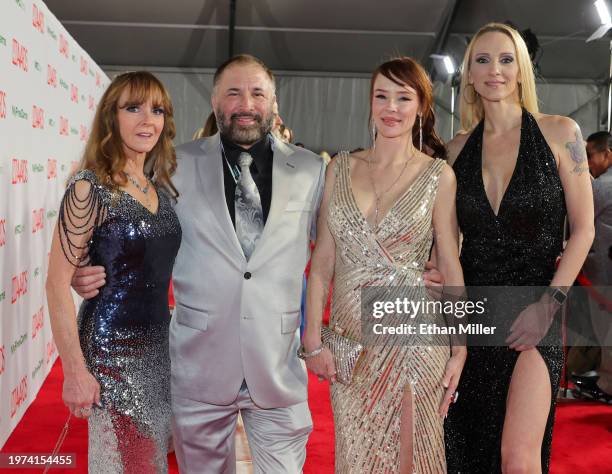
(124, 329)
(367, 412)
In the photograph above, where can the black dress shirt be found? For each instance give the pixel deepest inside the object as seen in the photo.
(261, 170)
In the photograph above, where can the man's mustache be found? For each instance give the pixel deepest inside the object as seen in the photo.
(255, 117)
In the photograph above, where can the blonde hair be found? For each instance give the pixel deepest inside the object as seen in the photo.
(471, 110)
(104, 149)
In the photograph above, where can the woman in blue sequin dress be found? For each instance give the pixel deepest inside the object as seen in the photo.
(115, 353)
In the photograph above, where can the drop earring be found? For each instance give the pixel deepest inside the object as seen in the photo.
(420, 132)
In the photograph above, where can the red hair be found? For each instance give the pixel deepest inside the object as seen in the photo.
(405, 71)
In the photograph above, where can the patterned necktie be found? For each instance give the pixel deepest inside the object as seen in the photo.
(247, 202)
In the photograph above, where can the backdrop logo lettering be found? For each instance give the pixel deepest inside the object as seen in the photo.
(50, 350)
(83, 133)
(19, 113)
(20, 286)
(74, 93)
(38, 220)
(2, 232)
(51, 76)
(84, 66)
(20, 55)
(64, 128)
(37, 368)
(38, 320)
(38, 117)
(2, 359)
(19, 395)
(2, 104)
(38, 19)
(18, 342)
(51, 168)
(51, 33)
(63, 46)
(20, 171)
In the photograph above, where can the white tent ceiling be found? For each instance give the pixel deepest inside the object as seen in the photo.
(331, 36)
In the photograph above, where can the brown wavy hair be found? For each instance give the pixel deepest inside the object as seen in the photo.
(406, 71)
(104, 149)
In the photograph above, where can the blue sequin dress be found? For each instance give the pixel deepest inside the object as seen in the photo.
(123, 331)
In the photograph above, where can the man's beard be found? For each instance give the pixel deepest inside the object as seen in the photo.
(241, 135)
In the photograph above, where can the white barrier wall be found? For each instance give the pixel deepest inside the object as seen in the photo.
(49, 88)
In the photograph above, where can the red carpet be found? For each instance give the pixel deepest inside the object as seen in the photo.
(582, 440)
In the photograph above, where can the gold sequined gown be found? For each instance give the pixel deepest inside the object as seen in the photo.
(367, 412)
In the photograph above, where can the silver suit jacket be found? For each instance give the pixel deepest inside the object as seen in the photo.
(237, 320)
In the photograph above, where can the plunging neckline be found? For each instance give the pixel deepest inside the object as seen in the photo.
(136, 200)
(395, 204)
(514, 171)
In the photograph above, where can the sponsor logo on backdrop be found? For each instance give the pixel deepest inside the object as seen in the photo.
(38, 220)
(18, 342)
(74, 131)
(84, 66)
(2, 232)
(51, 214)
(37, 168)
(20, 171)
(51, 33)
(83, 133)
(38, 19)
(91, 102)
(2, 104)
(98, 79)
(20, 286)
(2, 295)
(50, 350)
(64, 128)
(19, 113)
(37, 66)
(2, 40)
(18, 229)
(19, 395)
(51, 168)
(63, 46)
(63, 84)
(2, 359)
(20, 4)
(38, 320)
(20, 55)
(38, 117)
(51, 76)
(74, 93)
(37, 368)
(36, 272)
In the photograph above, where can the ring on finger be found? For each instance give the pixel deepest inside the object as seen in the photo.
(455, 397)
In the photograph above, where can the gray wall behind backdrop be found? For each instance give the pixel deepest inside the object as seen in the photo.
(330, 111)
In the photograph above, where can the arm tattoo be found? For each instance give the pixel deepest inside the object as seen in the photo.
(577, 152)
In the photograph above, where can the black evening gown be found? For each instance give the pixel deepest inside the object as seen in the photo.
(517, 247)
(123, 330)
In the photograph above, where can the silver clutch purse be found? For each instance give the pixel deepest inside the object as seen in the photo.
(346, 352)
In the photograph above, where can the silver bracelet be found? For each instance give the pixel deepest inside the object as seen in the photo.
(307, 355)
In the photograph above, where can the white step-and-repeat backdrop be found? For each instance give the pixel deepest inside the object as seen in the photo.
(49, 88)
